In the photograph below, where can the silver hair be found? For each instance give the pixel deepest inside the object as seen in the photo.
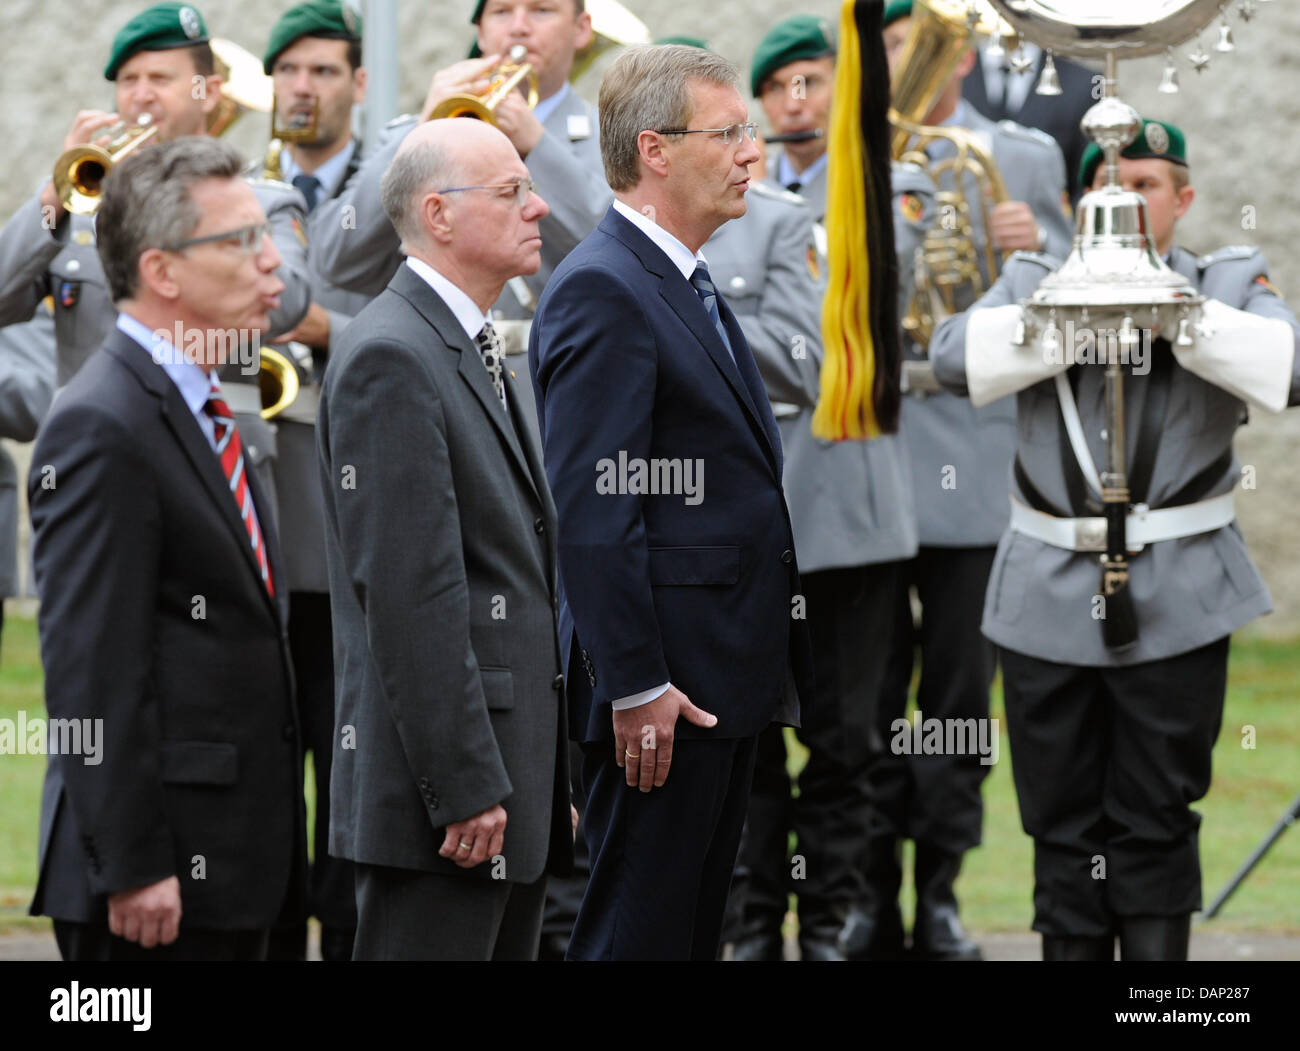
(420, 169)
(647, 89)
(147, 203)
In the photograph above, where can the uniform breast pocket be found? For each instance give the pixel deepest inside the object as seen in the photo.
(742, 292)
(694, 566)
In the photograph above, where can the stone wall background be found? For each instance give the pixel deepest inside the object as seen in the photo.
(1240, 117)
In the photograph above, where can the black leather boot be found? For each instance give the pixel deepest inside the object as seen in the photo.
(873, 928)
(1070, 948)
(937, 933)
(819, 931)
(760, 938)
(1154, 937)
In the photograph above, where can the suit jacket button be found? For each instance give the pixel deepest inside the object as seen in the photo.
(433, 802)
(557, 683)
(787, 556)
(539, 526)
(424, 782)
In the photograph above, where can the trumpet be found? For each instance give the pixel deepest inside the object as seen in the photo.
(80, 171)
(294, 131)
(505, 78)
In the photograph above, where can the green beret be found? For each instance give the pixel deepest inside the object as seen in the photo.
(685, 41)
(1156, 139)
(795, 38)
(894, 10)
(320, 18)
(160, 28)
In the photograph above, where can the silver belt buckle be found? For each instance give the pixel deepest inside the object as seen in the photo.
(1090, 534)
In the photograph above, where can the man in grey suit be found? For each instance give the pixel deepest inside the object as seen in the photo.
(313, 57)
(559, 141)
(1111, 746)
(450, 777)
(960, 458)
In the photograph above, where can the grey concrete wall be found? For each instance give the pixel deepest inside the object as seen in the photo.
(1240, 117)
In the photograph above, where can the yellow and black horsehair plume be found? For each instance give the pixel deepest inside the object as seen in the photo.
(863, 355)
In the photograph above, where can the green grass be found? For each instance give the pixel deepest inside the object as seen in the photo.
(1251, 789)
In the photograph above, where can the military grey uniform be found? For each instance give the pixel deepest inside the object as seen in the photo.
(1111, 746)
(26, 387)
(36, 261)
(851, 511)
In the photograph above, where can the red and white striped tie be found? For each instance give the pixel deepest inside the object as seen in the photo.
(230, 451)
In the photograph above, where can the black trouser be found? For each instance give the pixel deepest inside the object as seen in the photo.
(935, 799)
(1107, 762)
(661, 861)
(93, 942)
(331, 890)
(850, 620)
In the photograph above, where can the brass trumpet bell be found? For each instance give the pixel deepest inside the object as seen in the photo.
(277, 379)
(505, 78)
(79, 172)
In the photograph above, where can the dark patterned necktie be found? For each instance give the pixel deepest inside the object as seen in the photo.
(708, 294)
(309, 186)
(230, 451)
(492, 349)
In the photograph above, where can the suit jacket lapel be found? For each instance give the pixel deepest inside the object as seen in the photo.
(680, 294)
(416, 291)
(180, 421)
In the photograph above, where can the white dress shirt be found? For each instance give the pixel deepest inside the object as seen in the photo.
(786, 174)
(458, 302)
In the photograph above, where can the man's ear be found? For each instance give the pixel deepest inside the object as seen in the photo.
(966, 63)
(650, 147)
(212, 85)
(584, 31)
(156, 271)
(435, 220)
(1183, 199)
(359, 82)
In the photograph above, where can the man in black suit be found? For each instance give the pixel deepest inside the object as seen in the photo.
(450, 783)
(162, 624)
(685, 601)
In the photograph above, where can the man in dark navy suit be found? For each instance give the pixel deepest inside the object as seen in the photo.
(683, 619)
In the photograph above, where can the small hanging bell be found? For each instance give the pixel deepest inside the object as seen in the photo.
(1225, 43)
(1049, 83)
(1169, 82)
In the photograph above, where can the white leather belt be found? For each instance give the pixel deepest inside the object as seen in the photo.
(247, 398)
(1145, 526)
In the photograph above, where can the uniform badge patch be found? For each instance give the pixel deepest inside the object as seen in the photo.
(1263, 280)
(911, 207)
(1157, 138)
(302, 235)
(190, 25)
(69, 293)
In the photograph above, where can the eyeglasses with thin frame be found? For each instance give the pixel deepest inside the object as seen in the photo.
(522, 188)
(732, 133)
(248, 238)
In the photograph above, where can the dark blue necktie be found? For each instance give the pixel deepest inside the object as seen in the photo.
(703, 285)
(309, 186)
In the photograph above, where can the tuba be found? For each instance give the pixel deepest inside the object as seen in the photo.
(612, 26)
(505, 78)
(244, 87)
(948, 261)
(80, 171)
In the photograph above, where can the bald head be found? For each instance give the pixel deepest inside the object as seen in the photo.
(435, 156)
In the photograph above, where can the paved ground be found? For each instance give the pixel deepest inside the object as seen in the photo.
(1211, 945)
